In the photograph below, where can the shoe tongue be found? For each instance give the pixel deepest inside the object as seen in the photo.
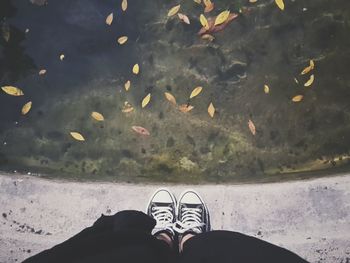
(192, 206)
(162, 204)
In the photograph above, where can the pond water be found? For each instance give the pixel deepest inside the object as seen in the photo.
(263, 45)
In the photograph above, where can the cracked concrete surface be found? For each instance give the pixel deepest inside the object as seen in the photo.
(311, 218)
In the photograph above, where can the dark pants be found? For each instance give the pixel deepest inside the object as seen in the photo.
(126, 237)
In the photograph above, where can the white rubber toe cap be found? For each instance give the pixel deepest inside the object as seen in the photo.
(162, 196)
(190, 197)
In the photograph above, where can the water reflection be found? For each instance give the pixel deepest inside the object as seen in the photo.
(263, 45)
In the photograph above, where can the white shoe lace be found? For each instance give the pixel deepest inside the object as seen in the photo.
(164, 218)
(191, 219)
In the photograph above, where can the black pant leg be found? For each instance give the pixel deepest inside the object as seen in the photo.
(233, 247)
(123, 237)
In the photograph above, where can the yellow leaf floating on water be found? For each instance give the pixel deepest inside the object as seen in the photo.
(146, 100)
(109, 19)
(222, 17)
(280, 4)
(296, 80)
(127, 85)
(170, 97)
(310, 81)
(252, 127)
(297, 98)
(195, 92)
(136, 69)
(312, 64)
(26, 108)
(253, 1)
(207, 2)
(198, 1)
(266, 89)
(77, 136)
(209, 7)
(204, 21)
(42, 72)
(122, 40)
(127, 107)
(173, 11)
(97, 116)
(185, 108)
(308, 68)
(12, 91)
(211, 110)
(184, 18)
(124, 5)
(62, 57)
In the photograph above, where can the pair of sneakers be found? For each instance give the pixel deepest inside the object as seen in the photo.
(188, 215)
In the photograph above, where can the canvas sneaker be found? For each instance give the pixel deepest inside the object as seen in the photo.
(161, 207)
(192, 214)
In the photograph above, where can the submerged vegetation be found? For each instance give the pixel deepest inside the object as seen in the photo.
(176, 91)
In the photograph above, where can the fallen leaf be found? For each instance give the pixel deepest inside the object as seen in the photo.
(204, 21)
(211, 110)
(297, 98)
(306, 70)
(146, 100)
(77, 136)
(195, 92)
(26, 108)
(140, 130)
(266, 89)
(62, 57)
(136, 69)
(127, 85)
(185, 108)
(97, 116)
(198, 1)
(127, 107)
(280, 4)
(122, 40)
(42, 72)
(251, 127)
(109, 19)
(207, 2)
(253, 1)
(184, 18)
(312, 64)
(124, 5)
(174, 10)
(208, 37)
(170, 97)
(213, 29)
(12, 90)
(296, 80)
(310, 81)
(26, 31)
(209, 8)
(222, 18)
(5, 31)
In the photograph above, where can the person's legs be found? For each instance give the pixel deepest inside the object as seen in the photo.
(230, 247)
(192, 216)
(123, 237)
(161, 207)
(200, 245)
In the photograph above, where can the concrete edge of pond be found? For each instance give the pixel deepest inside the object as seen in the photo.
(309, 217)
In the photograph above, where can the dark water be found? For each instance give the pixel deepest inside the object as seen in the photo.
(264, 45)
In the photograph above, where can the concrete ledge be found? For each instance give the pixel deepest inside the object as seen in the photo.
(311, 218)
